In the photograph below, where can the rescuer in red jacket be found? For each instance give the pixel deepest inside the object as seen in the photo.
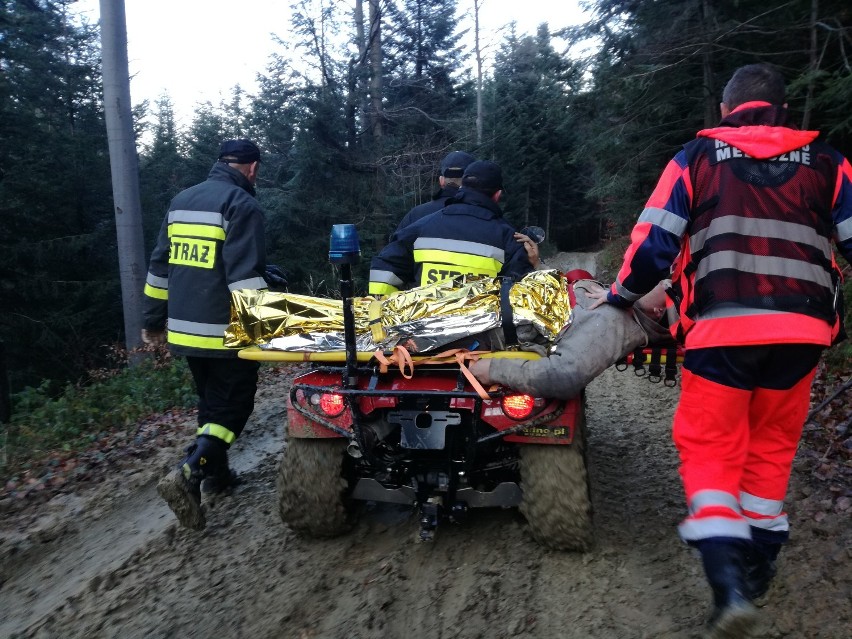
(742, 218)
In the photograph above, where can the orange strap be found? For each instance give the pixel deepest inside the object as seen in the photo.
(472, 356)
(399, 356)
(402, 358)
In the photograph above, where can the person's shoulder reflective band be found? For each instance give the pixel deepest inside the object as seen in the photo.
(217, 430)
(197, 334)
(157, 287)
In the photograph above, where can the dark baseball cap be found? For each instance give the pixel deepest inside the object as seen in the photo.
(239, 152)
(454, 164)
(483, 175)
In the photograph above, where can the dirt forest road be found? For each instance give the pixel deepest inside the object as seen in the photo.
(109, 561)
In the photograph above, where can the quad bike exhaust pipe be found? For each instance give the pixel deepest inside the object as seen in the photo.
(354, 450)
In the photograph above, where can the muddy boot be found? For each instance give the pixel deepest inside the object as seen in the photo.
(181, 488)
(760, 562)
(734, 616)
(221, 483)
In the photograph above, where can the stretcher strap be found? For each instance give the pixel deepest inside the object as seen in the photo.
(510, 334)
(472, 356)
(639, 362)
(671, 366)
(402, 358)
(655, 368)
(374, 314)
(399, 357)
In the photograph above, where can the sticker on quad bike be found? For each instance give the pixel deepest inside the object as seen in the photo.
(546, 432)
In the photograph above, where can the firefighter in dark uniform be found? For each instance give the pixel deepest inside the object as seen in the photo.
(452, 169)
(211, 243)
(467, 237)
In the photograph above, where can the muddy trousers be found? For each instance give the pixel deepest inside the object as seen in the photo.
(736, 429)
(226, 388)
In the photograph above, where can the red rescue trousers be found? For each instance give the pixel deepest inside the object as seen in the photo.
(737, 442)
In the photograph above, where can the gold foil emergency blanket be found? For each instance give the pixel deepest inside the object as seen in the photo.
(541, 298)
(430, 317)
(422, 319)
(260, 316)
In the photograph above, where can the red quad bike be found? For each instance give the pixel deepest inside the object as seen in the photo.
(431, 442)
(356, 434)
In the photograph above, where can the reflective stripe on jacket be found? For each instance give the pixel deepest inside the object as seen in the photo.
(469, 236)
(211, 243)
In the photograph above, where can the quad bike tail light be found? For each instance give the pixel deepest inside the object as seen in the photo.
(518, 406)
(332, 404)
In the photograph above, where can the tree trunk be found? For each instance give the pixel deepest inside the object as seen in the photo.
(711, 100)
(354, 71)
(549, 203)
(379, 214)
(376, 71)
(124, 165)
(813, 65)
(478, 53)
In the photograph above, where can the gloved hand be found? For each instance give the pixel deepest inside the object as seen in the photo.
(275, 278)
(153, 338)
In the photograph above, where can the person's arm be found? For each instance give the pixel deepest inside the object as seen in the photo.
(156, 292)
(244, 248)
(656, 239)
(517, 263)
(842, 211)
(593, 342)
(393, 267)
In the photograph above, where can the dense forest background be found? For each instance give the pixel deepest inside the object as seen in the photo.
(353, 116)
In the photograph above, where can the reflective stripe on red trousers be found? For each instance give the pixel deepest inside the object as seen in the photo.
(736, 448)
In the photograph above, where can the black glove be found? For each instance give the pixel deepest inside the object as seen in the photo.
(275, 278)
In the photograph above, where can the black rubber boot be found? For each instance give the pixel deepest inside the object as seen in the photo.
(734, 616)
(220, 483)
(760, 562)
(181, 488)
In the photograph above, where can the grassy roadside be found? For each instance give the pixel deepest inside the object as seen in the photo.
(45, 422)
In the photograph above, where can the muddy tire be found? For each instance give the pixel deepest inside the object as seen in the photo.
(556, 501)
(311, 488)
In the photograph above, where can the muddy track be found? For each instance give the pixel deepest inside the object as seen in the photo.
(110, 561)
